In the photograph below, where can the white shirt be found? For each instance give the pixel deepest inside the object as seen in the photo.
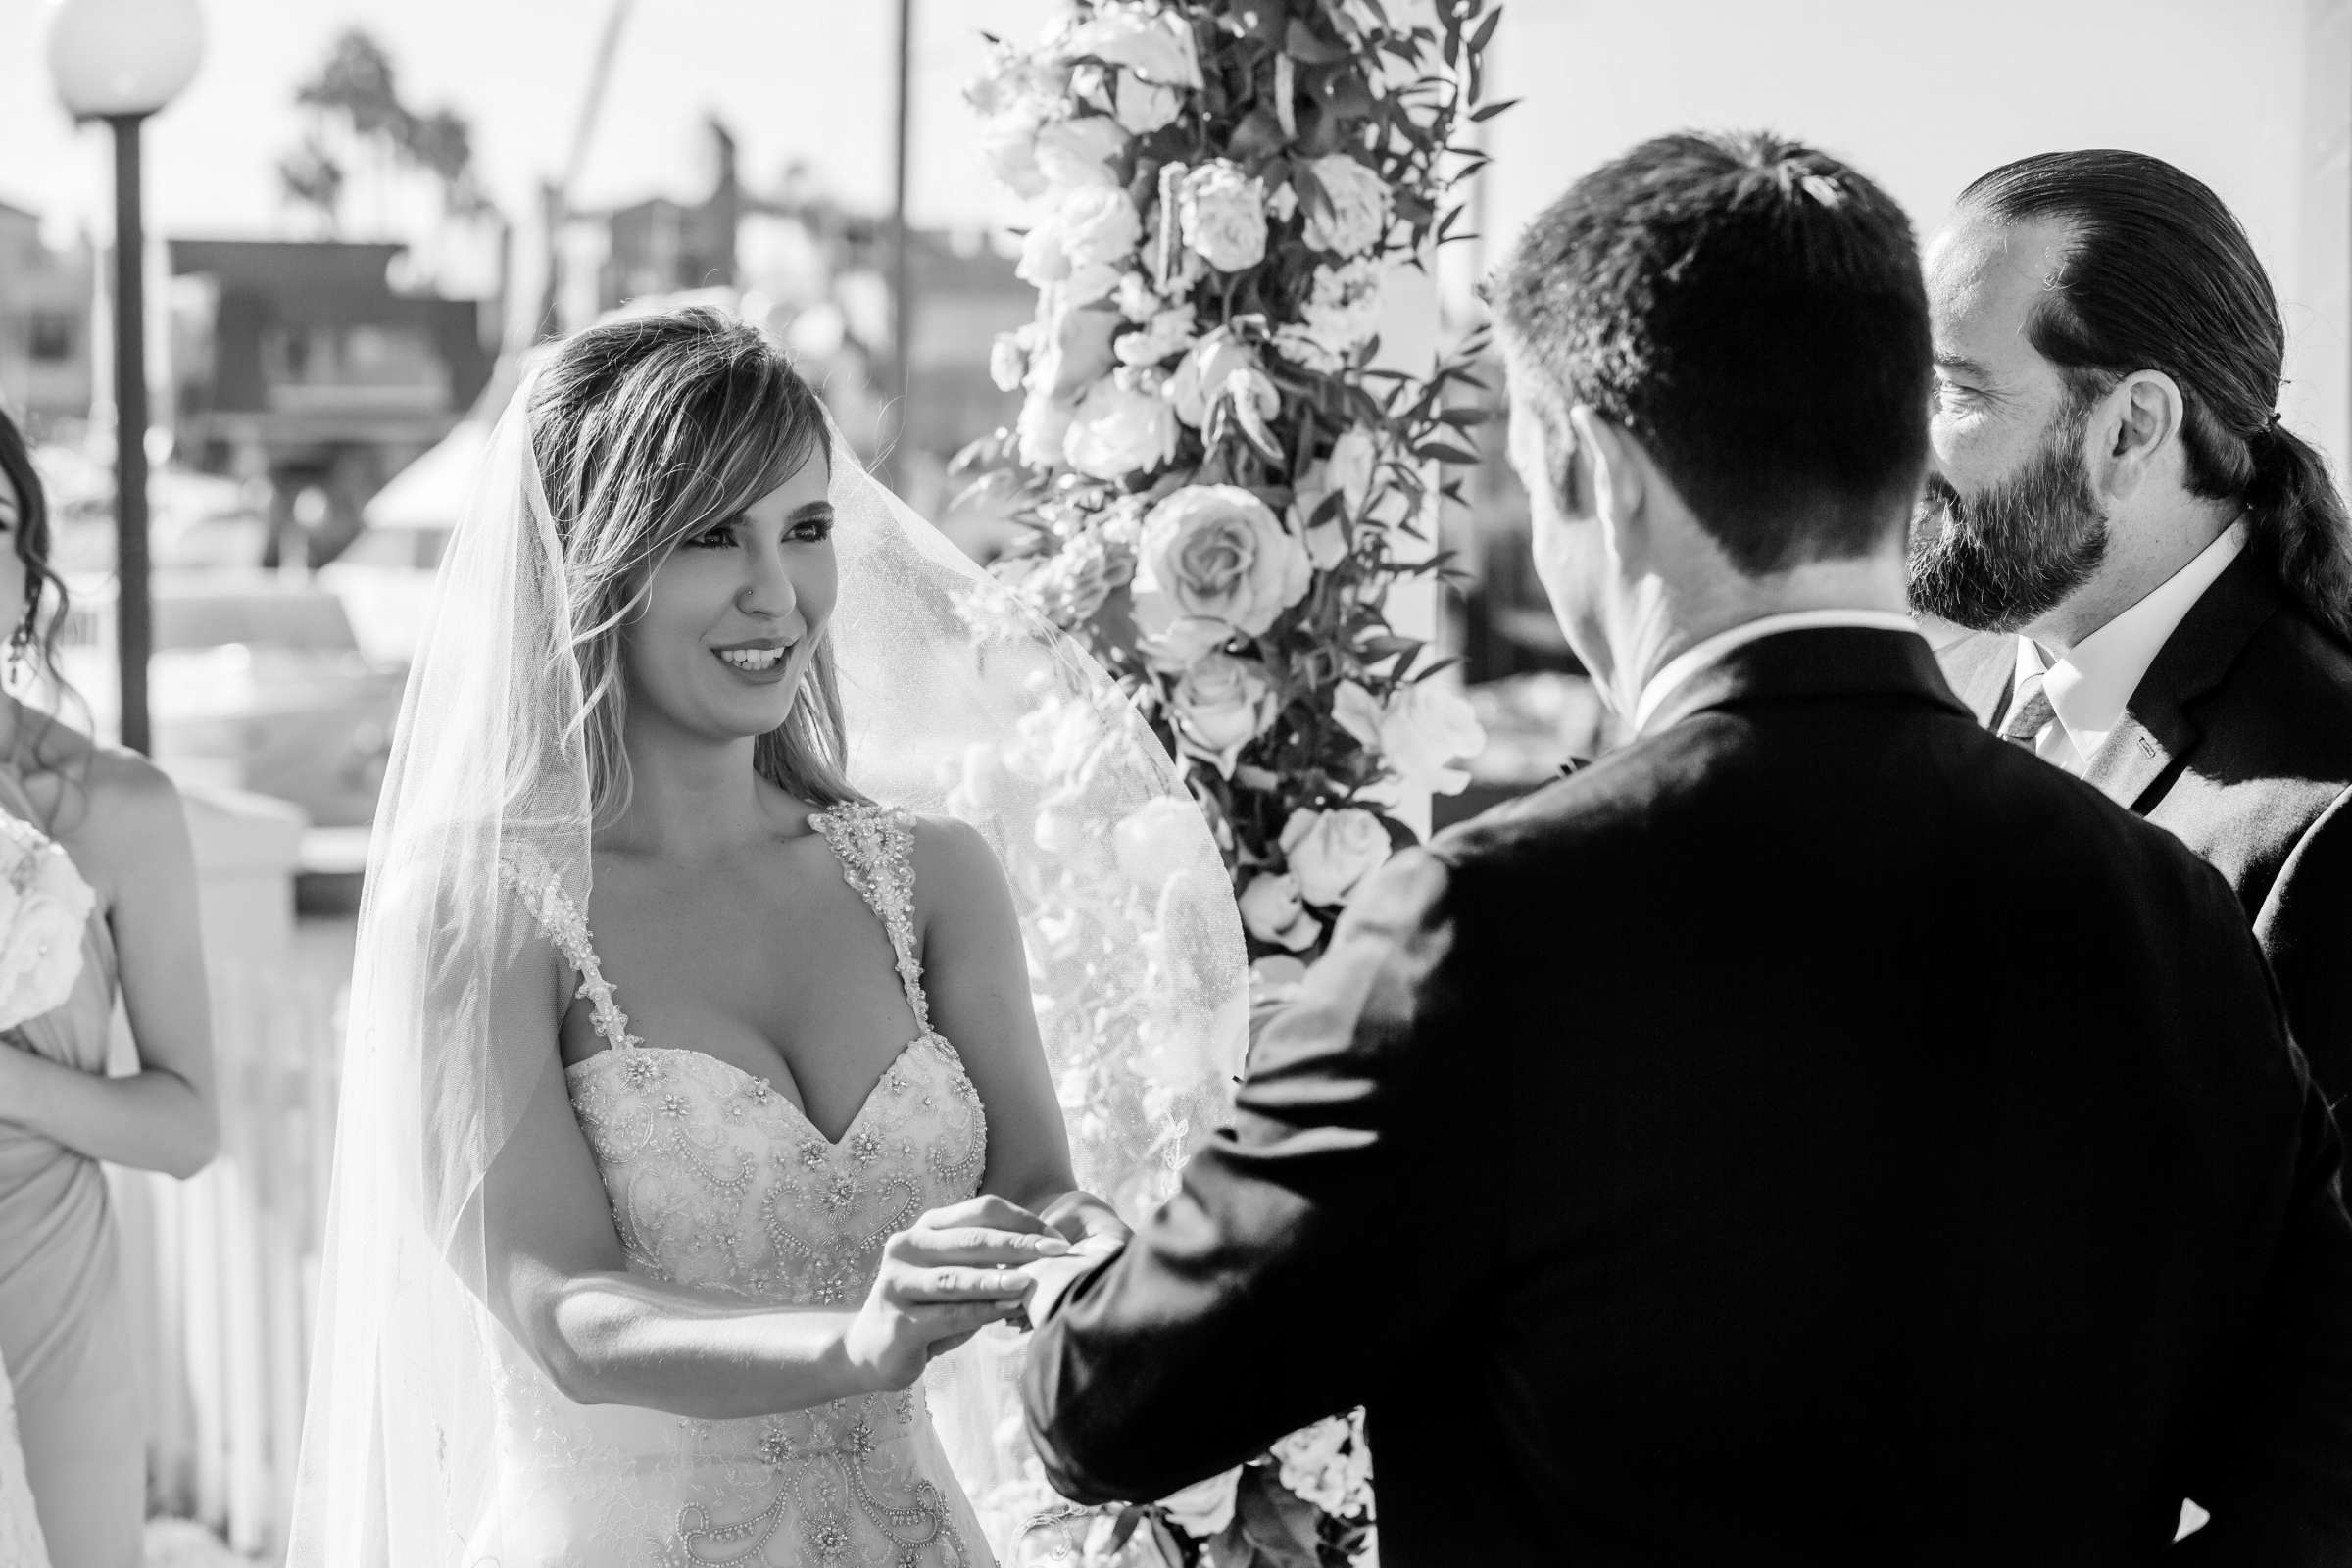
(2090, 687)
(1677, 671)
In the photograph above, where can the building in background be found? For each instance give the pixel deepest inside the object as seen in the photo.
(45, 349)
(816, 271)
(300, 363)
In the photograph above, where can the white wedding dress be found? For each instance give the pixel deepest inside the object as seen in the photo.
(721, 1183)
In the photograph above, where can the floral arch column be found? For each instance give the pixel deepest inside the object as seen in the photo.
(1230, 487)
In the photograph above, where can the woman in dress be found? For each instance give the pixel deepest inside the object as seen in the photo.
(734, 1108)
(83, 815)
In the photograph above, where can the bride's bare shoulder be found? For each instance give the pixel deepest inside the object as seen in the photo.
(957, 874)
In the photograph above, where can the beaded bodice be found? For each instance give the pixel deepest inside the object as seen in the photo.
(720, 1182)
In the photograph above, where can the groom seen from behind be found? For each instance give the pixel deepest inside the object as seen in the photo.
(1817, 1131)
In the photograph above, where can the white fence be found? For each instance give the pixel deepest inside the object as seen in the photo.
(221, 1270)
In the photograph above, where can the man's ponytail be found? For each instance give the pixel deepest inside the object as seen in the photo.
(2297, 517)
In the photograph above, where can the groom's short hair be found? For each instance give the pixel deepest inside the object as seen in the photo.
(1749, 309)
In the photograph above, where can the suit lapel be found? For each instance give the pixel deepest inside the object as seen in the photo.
(2159, 725)
(2153, 731)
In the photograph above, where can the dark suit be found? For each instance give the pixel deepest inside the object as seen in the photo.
(1818, 1131)
(2239, 741)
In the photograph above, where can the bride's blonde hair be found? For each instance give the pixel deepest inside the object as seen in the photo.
(647, 431)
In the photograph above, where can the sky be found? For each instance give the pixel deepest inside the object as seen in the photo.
(1922, 94)
(808, 79)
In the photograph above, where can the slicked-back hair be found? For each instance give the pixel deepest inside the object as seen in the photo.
(2155, 274)
(1749, 309)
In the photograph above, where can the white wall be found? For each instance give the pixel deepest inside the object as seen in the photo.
(2254, 97)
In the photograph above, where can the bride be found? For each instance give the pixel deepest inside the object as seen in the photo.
(696, 1099)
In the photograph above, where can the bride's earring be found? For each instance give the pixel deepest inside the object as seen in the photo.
(20, 653)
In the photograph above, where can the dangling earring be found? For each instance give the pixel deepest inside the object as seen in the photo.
(20, 653)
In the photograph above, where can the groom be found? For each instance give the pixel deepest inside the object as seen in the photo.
(1816, 1132)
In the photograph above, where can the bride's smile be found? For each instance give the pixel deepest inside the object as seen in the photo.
(735, 612)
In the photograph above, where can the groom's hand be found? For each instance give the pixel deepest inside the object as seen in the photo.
(1081, 1217)
(952, 1272)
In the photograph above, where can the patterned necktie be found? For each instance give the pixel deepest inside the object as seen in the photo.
(2029, 713)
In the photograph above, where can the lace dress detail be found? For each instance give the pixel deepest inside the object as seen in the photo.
(719, 1182)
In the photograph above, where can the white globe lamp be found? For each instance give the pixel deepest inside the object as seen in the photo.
(120, 61)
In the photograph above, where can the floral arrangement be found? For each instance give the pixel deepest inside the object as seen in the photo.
(1222, 490)
(44, 904)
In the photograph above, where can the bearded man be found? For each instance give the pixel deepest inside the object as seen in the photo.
(2158, 572)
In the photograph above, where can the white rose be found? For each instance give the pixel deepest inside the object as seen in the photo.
(1156, 45)
(1144, 107)
(1175, 646)
(1008, 358)
(1224, 215)
(1214, 359)
(1137, 301)
(1418, 732)
(1044, 426)
(1097, 224)
(1273, 912)
(1326, 1464)
(1121, 430)
(1342, 311)
(1220, 705)
(1163, 334)
(1081, 151)
(1044, 260)
(1217, 552)
(1069, 587)
(1205, 1507)
(1010, 145)
(1282, 204)
(1357, 212)
(1330, 851)
(1075, 353)
(1150, 841)
(44, 904)
(1017, 83)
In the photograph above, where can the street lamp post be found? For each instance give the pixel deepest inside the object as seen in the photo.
(120, 61)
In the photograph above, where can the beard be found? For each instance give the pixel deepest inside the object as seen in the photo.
(2004, 557)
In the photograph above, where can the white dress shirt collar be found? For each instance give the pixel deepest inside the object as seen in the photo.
(1677, 671)
(2091, 686)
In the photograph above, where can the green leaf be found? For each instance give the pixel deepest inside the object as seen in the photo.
(1490, 111)
(1129, 1517)
(1280, 1526)
(1258, 136)
(1303, 46)
(1486, 32)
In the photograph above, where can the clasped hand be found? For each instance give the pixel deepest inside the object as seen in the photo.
(951, 1274)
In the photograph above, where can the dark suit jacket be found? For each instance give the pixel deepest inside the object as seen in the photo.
(2239, 741)
(1818, 1131)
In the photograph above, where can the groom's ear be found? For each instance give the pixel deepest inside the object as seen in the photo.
(1619, 478)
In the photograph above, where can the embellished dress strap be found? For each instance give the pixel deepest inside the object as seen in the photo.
(566, 926)
(876, 845)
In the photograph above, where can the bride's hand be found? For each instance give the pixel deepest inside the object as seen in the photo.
(951, 1273)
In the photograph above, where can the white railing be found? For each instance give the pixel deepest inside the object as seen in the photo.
(223, 1270)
